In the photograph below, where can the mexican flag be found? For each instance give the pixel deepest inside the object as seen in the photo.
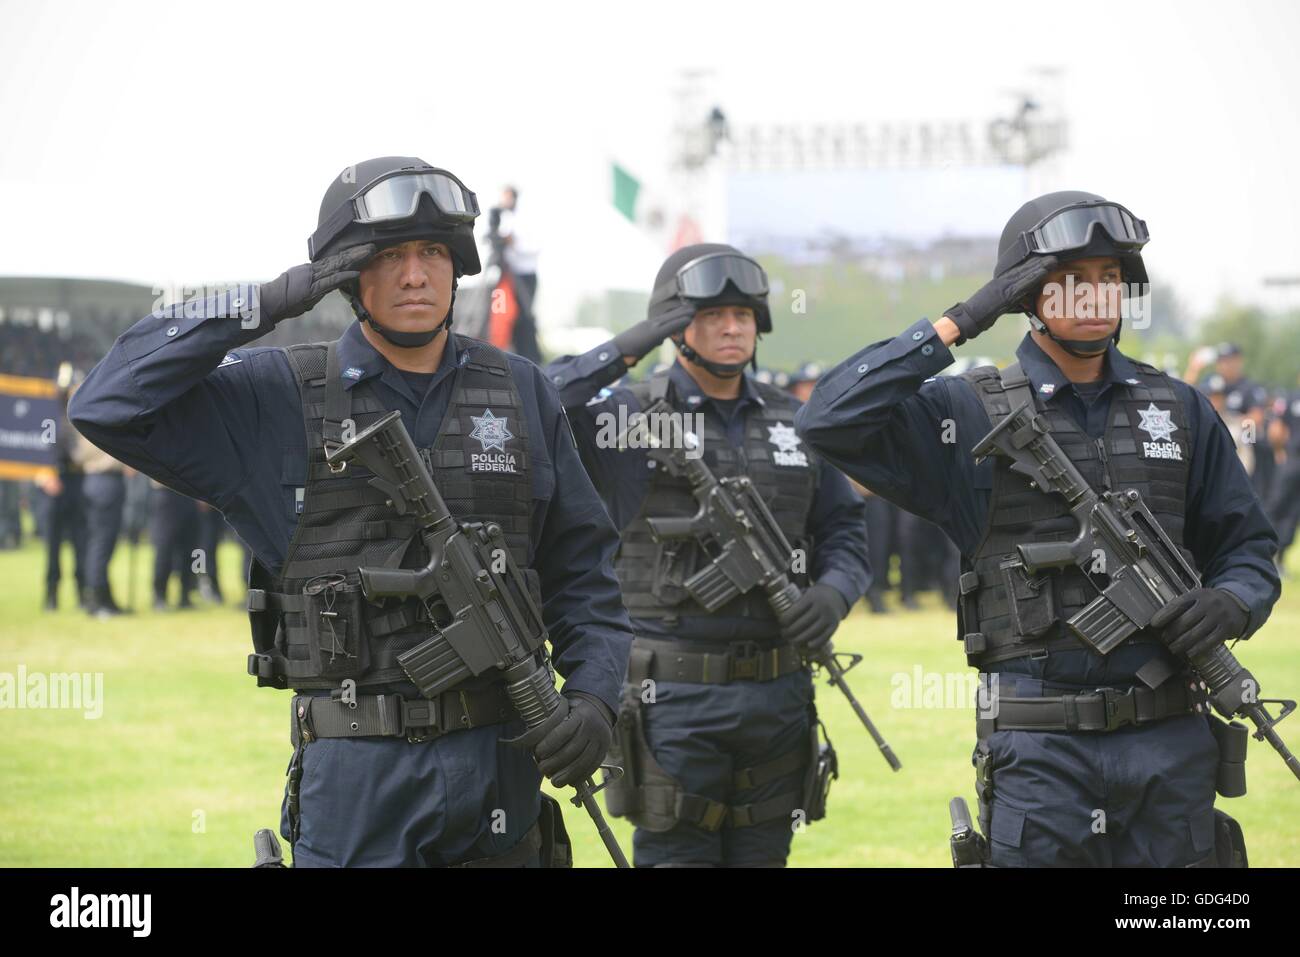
(626, 190)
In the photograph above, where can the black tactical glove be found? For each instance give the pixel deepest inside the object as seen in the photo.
(573, 749)
(648, 333)
(1000, 296)
(294, 292)
(1200, 620)
(811, 621)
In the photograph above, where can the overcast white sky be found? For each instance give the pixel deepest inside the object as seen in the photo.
(187, 142)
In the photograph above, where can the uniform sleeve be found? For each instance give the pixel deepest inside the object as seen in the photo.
(598, 414)
(877, 418)
(578, 378)
(176, 400)
(1226, 529)
(838, 523)
(590, 633)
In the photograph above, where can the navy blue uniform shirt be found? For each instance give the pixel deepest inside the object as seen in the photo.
(837, 520)
(177, 398)
(890, 421)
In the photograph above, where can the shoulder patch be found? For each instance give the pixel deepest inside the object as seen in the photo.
(352, 372)
(230, 360)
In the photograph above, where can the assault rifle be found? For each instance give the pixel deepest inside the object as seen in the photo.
(735, 529)
(1145, 570)
(495, 623)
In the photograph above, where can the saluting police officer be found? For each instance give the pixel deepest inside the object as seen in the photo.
(379, 776)
(718, 722)
(1105, 766)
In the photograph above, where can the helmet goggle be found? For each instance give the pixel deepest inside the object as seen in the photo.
(395, 196)
(1072, 228)
(707, 277)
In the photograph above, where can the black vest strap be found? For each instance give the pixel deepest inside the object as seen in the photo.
(338, 401)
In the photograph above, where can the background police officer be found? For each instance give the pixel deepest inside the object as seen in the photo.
(729, 726)
(1110, 791)
(62, 508)
(104, 497)
(379, 776)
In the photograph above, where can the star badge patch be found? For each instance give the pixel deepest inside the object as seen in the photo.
(783, 437)
(1157, 423)
(490, 431)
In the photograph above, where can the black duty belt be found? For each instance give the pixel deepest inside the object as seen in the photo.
(392, 716)
(734, 661)
(1102, 709)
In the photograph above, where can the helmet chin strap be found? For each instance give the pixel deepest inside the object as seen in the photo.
(405, 340)
(723, 370)
(1079, 348)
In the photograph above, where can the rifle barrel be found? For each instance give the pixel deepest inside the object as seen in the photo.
(836, 674)
(588, 800)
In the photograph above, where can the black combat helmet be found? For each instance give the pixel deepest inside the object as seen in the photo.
(708, 275)
(392, 200)
(1070, 225)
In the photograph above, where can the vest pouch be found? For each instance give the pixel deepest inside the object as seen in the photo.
(334, 615)
(1232, 737)
(1031, 601)
(674, 563)
(823, 768)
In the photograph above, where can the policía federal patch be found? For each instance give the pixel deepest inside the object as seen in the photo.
(1159, 425)
(786, 441)
(492, 433)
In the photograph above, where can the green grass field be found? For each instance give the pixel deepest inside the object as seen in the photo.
(188, 757)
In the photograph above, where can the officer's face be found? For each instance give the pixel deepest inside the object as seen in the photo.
(408, 287)
(723, 333)
(1081, 299)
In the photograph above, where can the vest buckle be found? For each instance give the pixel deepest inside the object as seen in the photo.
(331, 447)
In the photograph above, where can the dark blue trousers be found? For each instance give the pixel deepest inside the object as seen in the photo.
(104, 494)
(174, 528)
(702, 734)
(387, 802)
(1136, 797)
(64, 521)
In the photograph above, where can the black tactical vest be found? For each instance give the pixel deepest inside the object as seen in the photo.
(650, 574)
(1146, 447)
(480, 464)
